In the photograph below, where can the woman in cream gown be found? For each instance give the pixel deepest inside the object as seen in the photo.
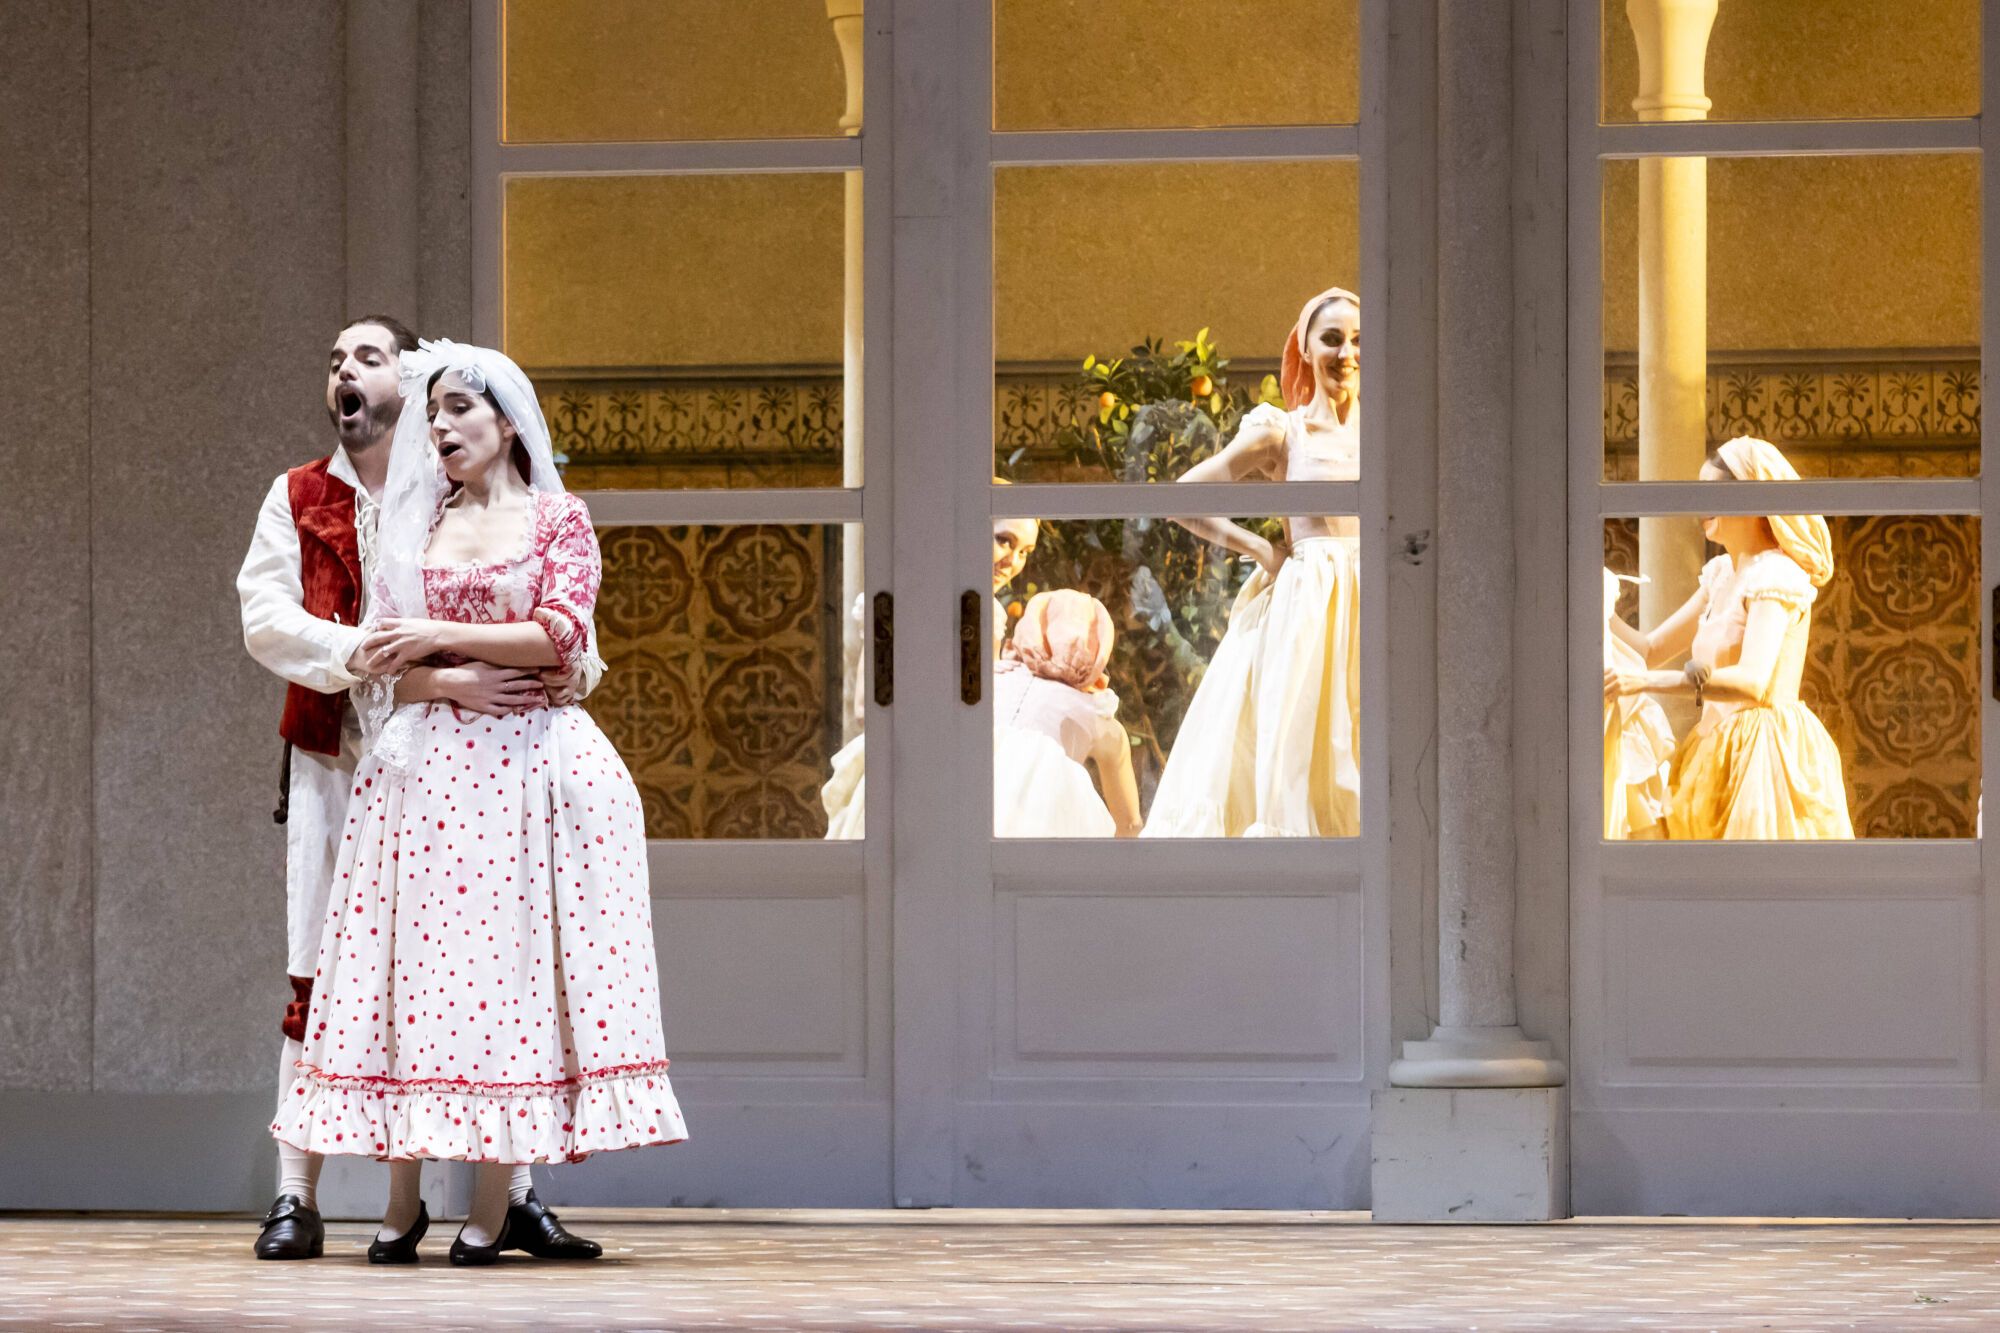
(1757, 764)
(1270, 746)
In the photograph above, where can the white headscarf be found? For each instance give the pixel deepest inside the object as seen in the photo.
(412, 499)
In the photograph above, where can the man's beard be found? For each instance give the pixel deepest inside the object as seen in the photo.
(377, 423)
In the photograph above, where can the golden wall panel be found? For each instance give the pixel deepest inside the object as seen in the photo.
(650, 271)
(1090, 258)
(670, 69)
(1820, 60)
(1123, 64)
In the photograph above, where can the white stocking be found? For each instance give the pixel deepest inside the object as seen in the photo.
(489, 1203)
(518, 1187)
(298, 1171)
(405, 1198)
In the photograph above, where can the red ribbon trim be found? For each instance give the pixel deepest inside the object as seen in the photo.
(377, 1083)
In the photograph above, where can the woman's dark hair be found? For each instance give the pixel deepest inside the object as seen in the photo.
(405, 340)
(520, 451)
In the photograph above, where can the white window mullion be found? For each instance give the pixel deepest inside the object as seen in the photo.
(674, 508)
(1713, 138)
(692, 157)
(1066, 500)
(1033, 148)
(1892, 495)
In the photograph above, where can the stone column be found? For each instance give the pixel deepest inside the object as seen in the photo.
(1672, 37)
(1472, 1127)
(1476, 1042)
(846, 18)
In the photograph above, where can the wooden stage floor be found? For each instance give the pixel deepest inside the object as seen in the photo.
(973, 1270)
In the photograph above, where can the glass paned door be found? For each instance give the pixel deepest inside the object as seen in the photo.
(1779, 541)
(1125, 1006)
(684, 262)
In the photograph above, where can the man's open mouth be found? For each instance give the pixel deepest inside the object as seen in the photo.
(349, 402)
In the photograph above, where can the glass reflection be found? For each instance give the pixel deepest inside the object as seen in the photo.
(686, 331)
(1234, 682)
(1129, 64)
(1735, 716)
(1748, 296)
(1790, 59)
(845, 794)
(659, 70)
(725, 674)
(1128, 339)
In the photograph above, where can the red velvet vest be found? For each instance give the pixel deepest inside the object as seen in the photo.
(330, 575)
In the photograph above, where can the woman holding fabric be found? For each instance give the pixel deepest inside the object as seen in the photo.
(1758, 763)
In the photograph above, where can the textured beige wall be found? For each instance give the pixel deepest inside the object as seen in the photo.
(45, 889)
(1813, 59)
(217, 279)
(1114, 64)
(1818, 252)
(1091, 259)
(671, 69)
(444, 170)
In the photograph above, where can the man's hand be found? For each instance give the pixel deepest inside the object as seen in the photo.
(479, 687)
(396, 643)
(563, 687)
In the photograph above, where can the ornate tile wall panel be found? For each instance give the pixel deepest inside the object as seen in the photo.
(718, 642)
(1836, 418)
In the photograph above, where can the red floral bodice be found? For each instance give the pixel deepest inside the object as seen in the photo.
(553, 579)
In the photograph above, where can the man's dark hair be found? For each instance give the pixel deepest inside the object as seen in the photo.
(406, 341)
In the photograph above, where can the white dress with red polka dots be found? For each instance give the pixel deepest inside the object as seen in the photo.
(486, 988)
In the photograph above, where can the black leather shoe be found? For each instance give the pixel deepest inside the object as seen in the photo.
(477, 1256)
(403, 1249)
(291, 1231)
(532, 1227)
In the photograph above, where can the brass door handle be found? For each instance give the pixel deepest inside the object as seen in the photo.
(885, 649)
(969, 660)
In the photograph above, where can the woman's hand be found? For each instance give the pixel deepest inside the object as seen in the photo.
(1620, 683)
(479, 687)
(398, 642)
(1270, 555)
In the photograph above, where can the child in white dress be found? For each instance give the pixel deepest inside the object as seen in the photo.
(1054, 712)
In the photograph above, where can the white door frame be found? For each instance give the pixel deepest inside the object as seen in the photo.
(1730, 1134)
(770, 1119)
(949, 869)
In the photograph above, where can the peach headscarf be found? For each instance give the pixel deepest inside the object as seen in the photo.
(1295, 374)
(1803, 537)
(1064, 635)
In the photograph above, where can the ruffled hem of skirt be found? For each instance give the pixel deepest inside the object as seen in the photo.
(370, 1118)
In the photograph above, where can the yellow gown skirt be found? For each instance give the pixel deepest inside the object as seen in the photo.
(1765, 772)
